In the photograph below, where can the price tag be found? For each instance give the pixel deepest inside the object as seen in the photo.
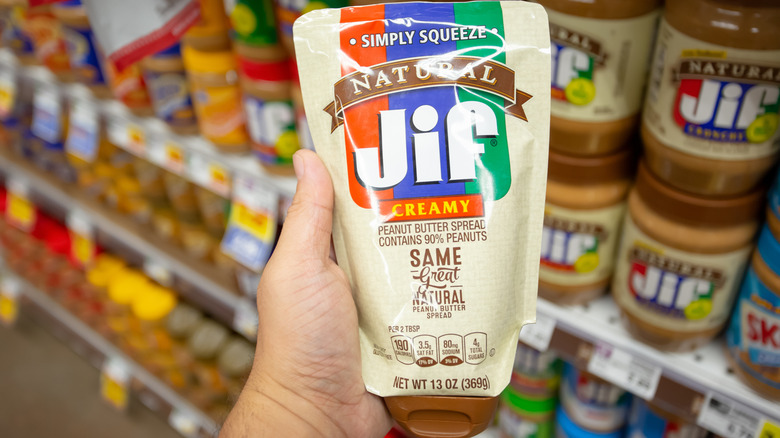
(625, 371)
(117, 132)
(7, 93)
(82, 139)
(10, 290)
(20, 211)
(136, 139)
(82, 238)
(728, 418)
(209, 174)
(158, 272)
(251, 229)
(185, 423)
(245, 319)
(538, 335)
(115, 383)
(47, 115)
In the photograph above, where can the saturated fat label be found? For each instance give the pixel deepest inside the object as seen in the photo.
(433, 119)
(599, 66)
(713, 101)
(674, 289)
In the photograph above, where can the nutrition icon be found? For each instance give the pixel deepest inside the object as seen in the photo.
(448, 350)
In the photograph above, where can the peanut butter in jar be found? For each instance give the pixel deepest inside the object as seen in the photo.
(680, 262)
(600, 52)
(582, 217)
(710, 123)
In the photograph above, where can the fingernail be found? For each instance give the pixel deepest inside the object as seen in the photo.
(298, 165)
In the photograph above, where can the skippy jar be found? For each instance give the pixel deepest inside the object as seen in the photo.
(433, 120)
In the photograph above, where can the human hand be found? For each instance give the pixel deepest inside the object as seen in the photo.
(306, 379)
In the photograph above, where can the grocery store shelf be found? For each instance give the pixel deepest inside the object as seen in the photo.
(151, 391)
(197, 281)
(686, 378)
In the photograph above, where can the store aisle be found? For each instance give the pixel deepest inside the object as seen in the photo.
(46, 390)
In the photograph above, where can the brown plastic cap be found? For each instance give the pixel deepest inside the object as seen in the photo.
(604, 9)
(591, 170)
(744, 24)
(443, 416)
(684, 207)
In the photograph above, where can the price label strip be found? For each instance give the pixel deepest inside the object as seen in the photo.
(20, 211)
(728, 418)
(251, 229)
(159, 272)
(117, 131)
(769, 430)
(47, 115)
(186, 423)
(115, 383)
(82, 238)
(10, 291)
(82, 140)
(245, 319)
(7, 93)
(624, 370)
(538, 335)
(167, 154)
(209, 174)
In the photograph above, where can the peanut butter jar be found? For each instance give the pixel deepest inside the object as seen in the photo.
(680, 261)
(773, 211)
(586, 201)
(710, 123)
(600, 52)
(754, 333)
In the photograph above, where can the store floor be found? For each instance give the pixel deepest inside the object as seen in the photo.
(46, 390)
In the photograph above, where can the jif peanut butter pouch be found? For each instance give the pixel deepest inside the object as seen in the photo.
(433, 121)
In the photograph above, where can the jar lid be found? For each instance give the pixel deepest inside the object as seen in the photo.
(154, 304)
(199, 61)
(183, 320)
(570, 428)
(125, 285)
(236, 358)
(684, 207)
(207, 340)
(526, 404)
(272, 70)
(591, 170)
(769, 249)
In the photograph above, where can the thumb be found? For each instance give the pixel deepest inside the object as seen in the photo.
(307, 229)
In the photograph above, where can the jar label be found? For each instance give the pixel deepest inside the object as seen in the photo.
(599, 66)
(513, 425)
(171, 97)
(254, 22)
(754, 334)
(84, 60)
(14, 36)
(643, 422)
(271, 125)
(128, 86)
(591, 402)
(45, 32)
(674, 289)
(713, 101)
(220, 116)
(578, 246)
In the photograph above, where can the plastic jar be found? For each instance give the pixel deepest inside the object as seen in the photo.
(217, 97)
(754, 334)
(521, 416)
(210, 32)
(181, 194)
(205, 344)
(121, 289)
(600, 51)
(710, 123)
(592, 403)
(129, 87)
(151, 182)
(254, 23)
(14, 36)
(170, 92)
(43, 29)
(269, 111)
(582, 217)
(680, 261)
(234, 363)
(650, 421)
(214, 211)
(82, 48)
(287, 11)
(151, 309)
(566, 428)
(536, 373)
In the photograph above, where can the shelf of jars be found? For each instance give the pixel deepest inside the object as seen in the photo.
(127, 376)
